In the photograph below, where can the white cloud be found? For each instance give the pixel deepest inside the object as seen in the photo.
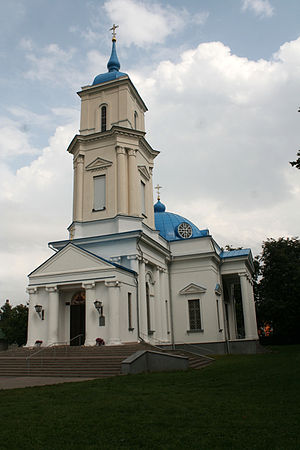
(37, 205)
(261, 8)
(144, 23)
(14, 140)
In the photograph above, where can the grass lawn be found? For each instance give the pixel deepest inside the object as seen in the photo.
(238, 402)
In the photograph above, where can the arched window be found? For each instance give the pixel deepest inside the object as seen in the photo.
(135, 119)
(103, 118)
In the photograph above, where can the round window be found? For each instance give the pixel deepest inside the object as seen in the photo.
(185, 230)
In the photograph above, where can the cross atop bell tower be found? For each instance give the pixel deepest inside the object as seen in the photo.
(113, 29)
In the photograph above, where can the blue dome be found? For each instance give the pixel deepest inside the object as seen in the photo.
(167, 224)
(113, 66)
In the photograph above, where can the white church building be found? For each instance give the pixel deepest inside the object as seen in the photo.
(130, 272)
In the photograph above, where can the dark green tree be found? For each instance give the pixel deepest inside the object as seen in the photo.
(296, 163)
(277, 292)
(13, 323)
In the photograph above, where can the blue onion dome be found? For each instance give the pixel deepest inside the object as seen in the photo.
(174, 227)
(113, 67)
(159, 207)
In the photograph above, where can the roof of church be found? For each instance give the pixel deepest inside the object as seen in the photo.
(167, 224)
(235, 253)
(113, 67)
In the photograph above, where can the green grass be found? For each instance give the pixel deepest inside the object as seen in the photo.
(238, 402)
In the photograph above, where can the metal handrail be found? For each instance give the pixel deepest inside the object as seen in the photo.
(54, 345)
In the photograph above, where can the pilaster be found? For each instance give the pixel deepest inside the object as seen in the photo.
(133, 188)
(122, 181)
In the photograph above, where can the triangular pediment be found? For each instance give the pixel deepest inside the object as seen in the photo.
(144, 171)
(72, 259)
(98, 164)
(192, 288)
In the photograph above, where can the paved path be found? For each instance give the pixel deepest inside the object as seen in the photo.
(21, 382)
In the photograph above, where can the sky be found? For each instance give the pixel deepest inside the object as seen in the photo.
(221, 80)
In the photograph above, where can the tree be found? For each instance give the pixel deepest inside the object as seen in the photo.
(13, 323)
(278, 291)
(296, 163)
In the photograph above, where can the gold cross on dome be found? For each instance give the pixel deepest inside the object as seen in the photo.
(158, 187)
(113, 29)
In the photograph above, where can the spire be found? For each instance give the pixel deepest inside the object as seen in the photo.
(113, 64)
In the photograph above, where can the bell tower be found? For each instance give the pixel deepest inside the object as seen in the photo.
(112, 160)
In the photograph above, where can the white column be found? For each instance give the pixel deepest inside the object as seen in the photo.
(142, 301)
(133, 187)
(91, 315)
(79, 187)
(122, 181)
(114, 312)
(246, 307)
(157, 304)
(253, 310)
(53, 314)
(31, 338)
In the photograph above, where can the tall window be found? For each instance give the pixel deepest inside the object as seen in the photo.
(194, 314)
(103, 118)
(129, 312)
(99, 193)
(135, 120)
(143, 197)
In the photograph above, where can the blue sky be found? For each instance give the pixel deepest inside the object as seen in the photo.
(221, 80)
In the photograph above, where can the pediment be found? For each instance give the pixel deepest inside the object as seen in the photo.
(192, 288)
(98, 164)
(71, 259)
(144, 171)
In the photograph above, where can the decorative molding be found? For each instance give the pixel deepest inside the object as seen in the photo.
(131, 151)
(89, 285)
(114, 283)
(120, 150)
(132, 257)
(98, 164)
(31, 290)
(51, 288)
(192, 288)
(144, 172)
(115, 259)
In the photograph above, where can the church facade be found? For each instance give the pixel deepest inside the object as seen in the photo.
(130, 272)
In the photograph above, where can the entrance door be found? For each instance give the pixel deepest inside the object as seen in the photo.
(77, 319)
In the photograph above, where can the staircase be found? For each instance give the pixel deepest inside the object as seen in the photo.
(73, 361)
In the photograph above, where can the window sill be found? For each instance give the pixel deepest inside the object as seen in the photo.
(194, 331)
(97, 210)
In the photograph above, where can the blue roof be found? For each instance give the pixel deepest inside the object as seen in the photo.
(113, 66)
(235, 253)
(167, 224)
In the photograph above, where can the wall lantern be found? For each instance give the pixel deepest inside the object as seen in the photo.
(99, 308)
(40, 311)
